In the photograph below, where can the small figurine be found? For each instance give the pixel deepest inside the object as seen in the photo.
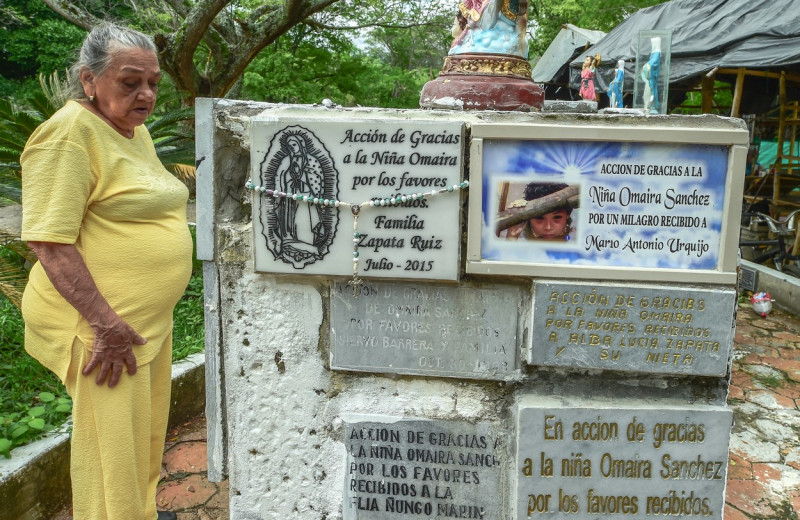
(615, 87)
(650, 72)
(762, 303)
(587, 77)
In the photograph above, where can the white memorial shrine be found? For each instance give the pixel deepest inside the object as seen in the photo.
(420, 314)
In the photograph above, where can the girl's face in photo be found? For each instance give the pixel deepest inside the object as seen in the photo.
(550, 225)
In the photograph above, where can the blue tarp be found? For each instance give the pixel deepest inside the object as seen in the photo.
(768, 152)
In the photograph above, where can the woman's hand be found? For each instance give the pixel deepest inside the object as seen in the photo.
(113, 337)
(112, 350)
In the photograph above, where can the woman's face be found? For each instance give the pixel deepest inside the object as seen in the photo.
(294, 145)
(550, 225)
(125, 94)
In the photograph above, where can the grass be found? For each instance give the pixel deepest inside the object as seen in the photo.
(32, 399)
(29, 393)
(770, 381)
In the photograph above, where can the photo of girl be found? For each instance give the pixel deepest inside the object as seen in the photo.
(543, 213)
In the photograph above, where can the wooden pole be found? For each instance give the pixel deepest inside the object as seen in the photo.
(707, 90)
(737, 93)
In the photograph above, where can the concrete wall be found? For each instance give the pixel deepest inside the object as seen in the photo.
(277, 413)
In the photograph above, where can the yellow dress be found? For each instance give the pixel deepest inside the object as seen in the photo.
(85, 184)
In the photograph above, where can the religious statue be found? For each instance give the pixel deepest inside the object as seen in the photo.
(615, 87)
(588, 69)
(650, 72)
(487, 66)
(491, 26)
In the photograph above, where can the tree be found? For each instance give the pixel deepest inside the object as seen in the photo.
(547, 17)
(33, 40)
(348, 76)
(308, 64)
(206, 45)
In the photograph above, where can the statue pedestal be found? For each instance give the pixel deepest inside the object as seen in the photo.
(483, 82)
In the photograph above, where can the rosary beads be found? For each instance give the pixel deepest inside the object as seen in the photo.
(355, 209)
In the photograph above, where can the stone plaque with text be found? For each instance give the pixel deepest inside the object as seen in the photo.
(616, 461)
(336, 165)
(637, 328)
(423, 469)
(464, 332)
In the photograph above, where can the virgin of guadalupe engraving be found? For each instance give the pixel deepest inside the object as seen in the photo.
(297, 162)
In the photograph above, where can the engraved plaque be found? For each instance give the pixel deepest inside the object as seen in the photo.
(335, 164)
(435, 330)
(636, 328)
(423, 469)
(617, 461)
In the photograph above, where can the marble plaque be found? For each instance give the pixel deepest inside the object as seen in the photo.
(434, 330)
(621, 462)
(636, 328)
(423, 469)
(332, 161)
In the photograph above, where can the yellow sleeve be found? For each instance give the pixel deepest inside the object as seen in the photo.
(56, 185)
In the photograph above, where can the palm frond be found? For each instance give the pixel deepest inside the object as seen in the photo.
(23, 122)
(171, 156)
(7, 109)
(9, 158)
(169, 122)
(17, 124)
(55, 92)
(8, 142)
(12, 281)
(185, 172)
(9, 195)
(10, 185)
(17, 246)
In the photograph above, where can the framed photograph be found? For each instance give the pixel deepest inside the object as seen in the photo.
(624, 203)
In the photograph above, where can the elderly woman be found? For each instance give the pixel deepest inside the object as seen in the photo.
(108, 224)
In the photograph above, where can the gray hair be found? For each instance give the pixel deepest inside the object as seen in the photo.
(98, 51)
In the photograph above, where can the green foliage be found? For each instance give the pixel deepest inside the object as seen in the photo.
(305, 72)
(17, 89)
(36, 41)
(721, 101)
(19, 428)
(547, 16)
(18, 120)
(188, 325)
(13, 274)
(16, 125)
(171, 126)
(188, 331)
(418, 39)
(32, 399)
